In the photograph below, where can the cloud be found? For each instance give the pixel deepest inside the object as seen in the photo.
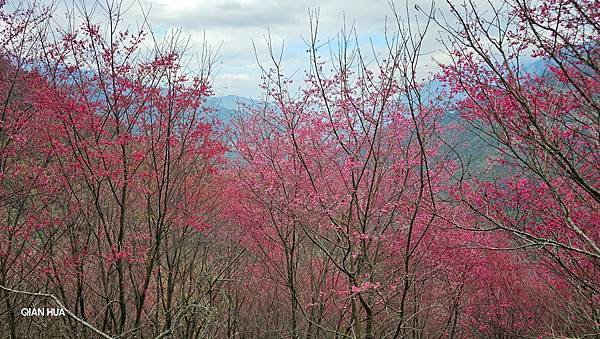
(234, 77)
(235, 25)
(196, 15)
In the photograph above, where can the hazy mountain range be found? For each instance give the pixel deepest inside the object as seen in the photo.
(470, 145)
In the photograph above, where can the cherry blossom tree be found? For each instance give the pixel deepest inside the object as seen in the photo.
(117, 166)
(543, 124)
(344, 178)
(345, 205)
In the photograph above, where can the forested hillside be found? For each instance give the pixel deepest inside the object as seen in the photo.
(366, 201)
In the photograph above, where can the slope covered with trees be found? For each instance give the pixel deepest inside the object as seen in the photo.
(349, 206)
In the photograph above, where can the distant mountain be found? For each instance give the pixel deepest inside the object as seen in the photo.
(469, 143)
(227, 107)
(472, 145)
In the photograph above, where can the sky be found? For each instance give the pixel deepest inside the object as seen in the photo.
(234, 25)
(238, 29)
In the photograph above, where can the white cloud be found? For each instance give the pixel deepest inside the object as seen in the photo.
(235, 24)
(226, 13)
